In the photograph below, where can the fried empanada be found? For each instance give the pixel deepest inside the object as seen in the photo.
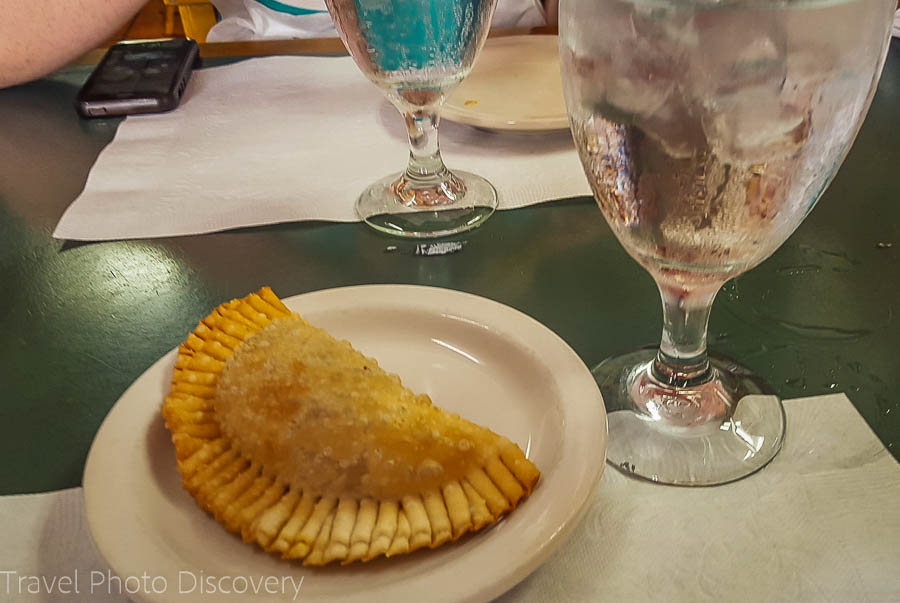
(308, 448)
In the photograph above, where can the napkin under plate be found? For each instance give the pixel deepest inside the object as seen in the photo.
(820, 523)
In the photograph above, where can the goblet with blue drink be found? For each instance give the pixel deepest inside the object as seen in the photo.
(416, 51)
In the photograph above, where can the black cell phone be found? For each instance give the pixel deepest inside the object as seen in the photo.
(138, 77)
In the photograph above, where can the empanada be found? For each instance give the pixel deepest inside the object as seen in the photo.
(308, 448)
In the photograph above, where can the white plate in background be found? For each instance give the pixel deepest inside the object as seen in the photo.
(515, 86)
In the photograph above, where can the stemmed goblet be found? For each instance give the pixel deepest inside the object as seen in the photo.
(416, 51)
(708, 129)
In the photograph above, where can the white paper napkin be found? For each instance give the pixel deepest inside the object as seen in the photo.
(281, 139)
(45, 536)
(821, 523)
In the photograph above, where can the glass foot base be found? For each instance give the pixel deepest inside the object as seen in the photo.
(380, 207)
(703, 435)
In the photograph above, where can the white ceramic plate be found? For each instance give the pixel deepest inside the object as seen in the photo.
(486, 361)
(515, 85)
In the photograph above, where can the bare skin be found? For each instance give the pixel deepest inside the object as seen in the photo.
(37, 37)
(40, 36)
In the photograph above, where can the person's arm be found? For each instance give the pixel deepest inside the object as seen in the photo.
(551, 9)
(39, 36)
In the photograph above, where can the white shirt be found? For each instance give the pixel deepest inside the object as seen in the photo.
(272, 19)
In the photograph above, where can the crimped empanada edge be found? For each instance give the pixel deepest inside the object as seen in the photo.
(302, 525)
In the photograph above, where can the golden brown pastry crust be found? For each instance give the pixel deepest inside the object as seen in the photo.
(308, 448)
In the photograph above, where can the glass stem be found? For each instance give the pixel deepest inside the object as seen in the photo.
(425, 163)
(682, 360)
(426, 182)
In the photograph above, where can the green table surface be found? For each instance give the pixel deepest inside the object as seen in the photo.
(80, 321)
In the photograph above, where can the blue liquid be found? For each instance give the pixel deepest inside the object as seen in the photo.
(411, 35)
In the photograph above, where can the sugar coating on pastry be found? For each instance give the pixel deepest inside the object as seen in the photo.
(321, 415)
(308, 448)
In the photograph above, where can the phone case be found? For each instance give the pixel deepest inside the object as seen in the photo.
(138, 77)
